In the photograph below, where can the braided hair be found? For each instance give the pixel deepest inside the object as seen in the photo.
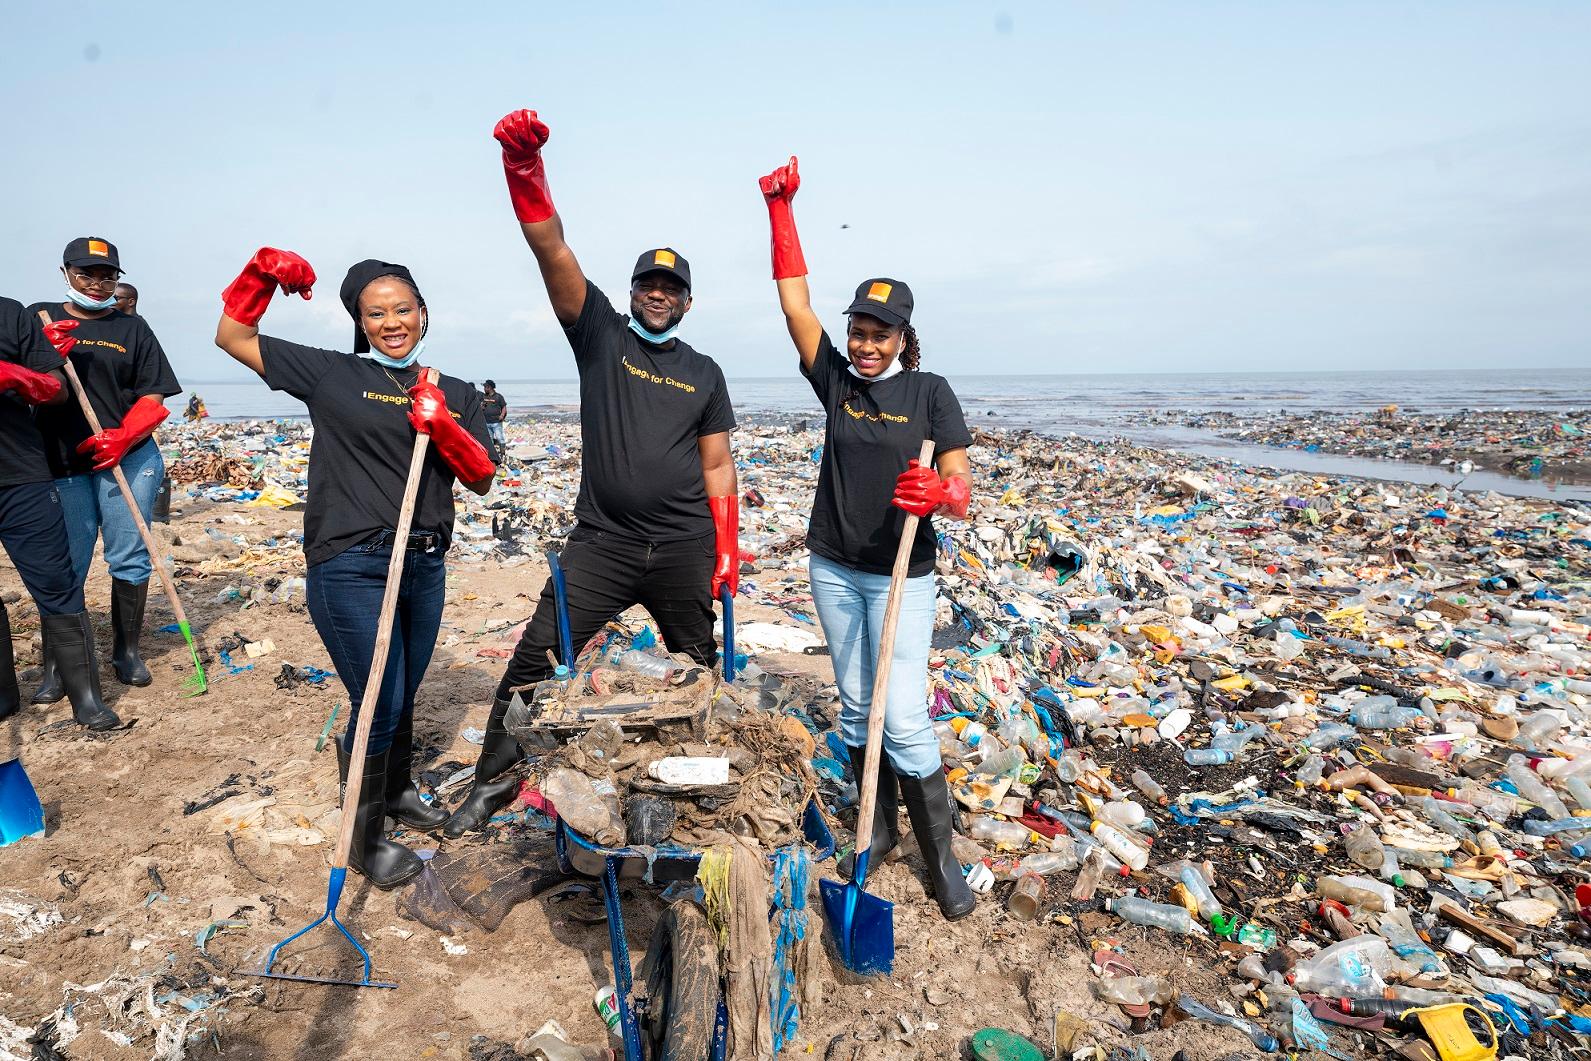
(910, 352)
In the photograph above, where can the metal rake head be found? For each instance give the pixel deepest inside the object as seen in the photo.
(333, 894)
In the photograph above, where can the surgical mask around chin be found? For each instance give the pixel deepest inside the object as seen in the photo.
(399, 362)
(80, 299)
(895, 368)
(640, 329)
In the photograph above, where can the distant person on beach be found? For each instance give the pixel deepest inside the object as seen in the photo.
(127, 299)
(365, 410)
(657, 514)
(496, 409)
(31, 526)
(127, 379)
(196, 409)
(881, 407)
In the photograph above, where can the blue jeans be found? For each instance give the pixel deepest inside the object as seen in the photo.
(92, 504)
(494, 431)
(850, 606)
(344, 596)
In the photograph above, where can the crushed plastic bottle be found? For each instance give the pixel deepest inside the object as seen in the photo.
(1262, 1039)
(1155, 915)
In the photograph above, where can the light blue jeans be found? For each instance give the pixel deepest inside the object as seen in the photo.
(93, 503)
(850, 606)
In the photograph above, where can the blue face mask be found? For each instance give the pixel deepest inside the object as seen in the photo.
(398, 362)
(83, 300)
(657, 339)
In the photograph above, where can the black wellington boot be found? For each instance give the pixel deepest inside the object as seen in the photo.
(50, 690)
(490, 791)
(384, 863)
(127, 623)
(886, 812)
(71, 641)
(927, 802)
(404, 804)
(10, 695)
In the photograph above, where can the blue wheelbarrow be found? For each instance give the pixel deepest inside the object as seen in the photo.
(683, 1017)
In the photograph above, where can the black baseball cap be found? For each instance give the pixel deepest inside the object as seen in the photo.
(91, 250)
(888, 300)
(663, 260)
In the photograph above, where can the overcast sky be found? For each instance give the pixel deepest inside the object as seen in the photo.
(1068, 187)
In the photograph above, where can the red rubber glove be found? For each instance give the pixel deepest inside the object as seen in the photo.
(779, 188)
(726, 529)
(428, 413)
(59, 333)
(246, 298)
(523, 135)
(922, 492)
(35, 388)
(110, 445)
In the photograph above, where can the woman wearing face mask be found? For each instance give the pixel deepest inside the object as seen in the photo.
(365, 409)
(127, 378)
(881, 407)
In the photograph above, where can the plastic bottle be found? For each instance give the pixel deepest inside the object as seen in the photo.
(1124, 815)
(1329, 735)
(1002, 834)
(1193, 880)
(647, 664)
(1423, 859)
(1134, 990)
(1533, 788)
(1312, 771)
(690, 770)
(1579, 790)
(1261, 1039)
(1088, 876)
(1206, 757)
(1535, 827)
(1359, 648)
(1354, 968)
(1151, 788)
(1155, 915)
(1119, 844)
(1046, 862)
(1445, 821)
(1350, 894)
(1539, 729)
(1383, 713)
(1026, 898)
(590, 807)
(1365, 848)
(1234, 741)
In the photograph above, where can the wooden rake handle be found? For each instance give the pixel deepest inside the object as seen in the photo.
(886, 650)
(151, 546)
(378, 658)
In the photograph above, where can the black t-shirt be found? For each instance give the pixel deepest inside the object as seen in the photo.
(359, 458)
(642, 408)
(22, 342)
(494, 407)
(873, 430)
(119, 360)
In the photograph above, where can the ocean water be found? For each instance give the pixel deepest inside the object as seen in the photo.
(1112, 404)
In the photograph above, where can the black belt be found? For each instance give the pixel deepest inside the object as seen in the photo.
(425, 543)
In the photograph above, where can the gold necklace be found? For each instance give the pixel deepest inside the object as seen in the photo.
(402, 390)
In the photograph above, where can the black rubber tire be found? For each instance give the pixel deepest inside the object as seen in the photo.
(683, 988)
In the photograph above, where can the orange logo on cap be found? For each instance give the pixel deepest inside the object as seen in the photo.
(664, 258)
(99, 247)
(879, 292)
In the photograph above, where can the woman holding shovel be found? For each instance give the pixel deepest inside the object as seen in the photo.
(366, 409)
(881, 408)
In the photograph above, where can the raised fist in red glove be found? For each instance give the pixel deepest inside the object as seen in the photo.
(922, 492)
(246, 299)
(429, 415)
(779, 188)
(109, 446)
(523, 135)
(59, 333)
(35, 388)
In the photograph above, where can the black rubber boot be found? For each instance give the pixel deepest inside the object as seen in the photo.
(927, 802)
(127, 601)
(886, 812)
(50, 690)
(384, 863)
(71, 641)
(490, 791)
(404, 804)
(10, 695)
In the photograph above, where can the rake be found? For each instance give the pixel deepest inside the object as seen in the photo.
(196, 685)
(356, 757)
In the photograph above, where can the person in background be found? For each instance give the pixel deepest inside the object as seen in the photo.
(127, 379)
(881, 407)
(366, 409)
(496, 409)
(657, 514)
(127, 299)
(31, 527)
(196, 409)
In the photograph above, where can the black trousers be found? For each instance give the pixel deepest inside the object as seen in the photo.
(33, 532)
(605, 574)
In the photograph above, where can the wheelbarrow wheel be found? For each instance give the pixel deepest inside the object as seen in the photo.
(681, 974)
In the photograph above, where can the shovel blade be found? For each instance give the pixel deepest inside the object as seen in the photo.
(863, 926)
(21, 813)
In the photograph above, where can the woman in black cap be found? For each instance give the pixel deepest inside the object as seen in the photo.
(127, 379)
(881, 407)
(365, 411)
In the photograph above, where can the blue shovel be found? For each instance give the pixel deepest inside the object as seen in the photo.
(21, 813)
(863, 924)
